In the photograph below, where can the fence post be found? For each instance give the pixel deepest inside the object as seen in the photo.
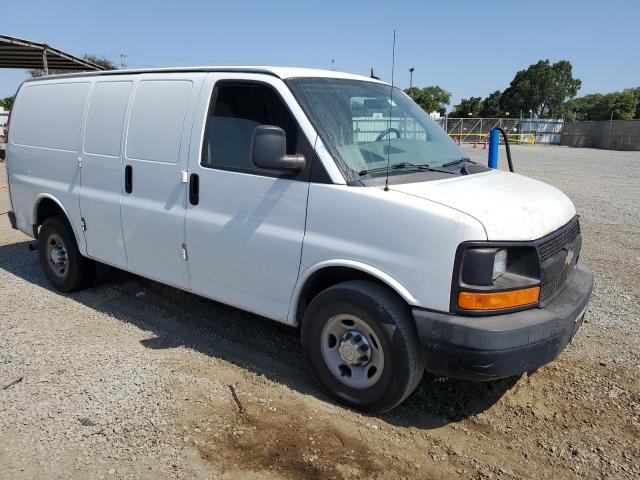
(610, 125)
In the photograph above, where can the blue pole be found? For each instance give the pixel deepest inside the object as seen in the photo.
(494, 142)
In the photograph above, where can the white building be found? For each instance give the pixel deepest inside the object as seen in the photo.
(4, 115)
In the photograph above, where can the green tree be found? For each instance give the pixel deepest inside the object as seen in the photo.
(491, 105)
(431, 99)
(468, 107)
(619, 106)
(7, 102)
(636, 94)
(582, 108)
(543, 88)
(597, 106)
(101, 61)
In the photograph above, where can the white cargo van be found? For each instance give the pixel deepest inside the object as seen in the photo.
(319, 199)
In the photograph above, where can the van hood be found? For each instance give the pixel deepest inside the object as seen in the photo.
(509, 206)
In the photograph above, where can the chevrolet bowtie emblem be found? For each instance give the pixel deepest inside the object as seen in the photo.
(569, 258)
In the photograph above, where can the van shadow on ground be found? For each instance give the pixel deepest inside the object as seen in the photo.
(179, 318)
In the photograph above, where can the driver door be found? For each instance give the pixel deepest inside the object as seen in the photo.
(245, 229)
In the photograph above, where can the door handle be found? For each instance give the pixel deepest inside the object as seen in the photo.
(128, 179)
(194, 189)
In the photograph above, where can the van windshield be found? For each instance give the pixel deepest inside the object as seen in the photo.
(363, 127)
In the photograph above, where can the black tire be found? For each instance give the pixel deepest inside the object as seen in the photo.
(79, 271)
(391, 321)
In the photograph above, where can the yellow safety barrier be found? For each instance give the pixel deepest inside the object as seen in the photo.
(483, 138)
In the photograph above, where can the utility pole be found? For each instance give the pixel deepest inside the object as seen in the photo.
(610, 125)
(123, 57)
(411, 76)
(45, 65)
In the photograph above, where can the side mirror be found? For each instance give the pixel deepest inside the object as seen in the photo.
(269, 150)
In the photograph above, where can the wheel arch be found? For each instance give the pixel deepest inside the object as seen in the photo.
(325, 274)
(46, 206)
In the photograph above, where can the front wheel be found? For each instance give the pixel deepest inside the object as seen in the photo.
(362, 345)
(60, 258)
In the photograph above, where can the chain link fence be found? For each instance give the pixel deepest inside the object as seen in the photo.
(526, 131)
(464, 130)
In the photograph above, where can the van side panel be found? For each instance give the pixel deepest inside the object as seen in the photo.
(50, 116)
(102, 171)
(45, 136)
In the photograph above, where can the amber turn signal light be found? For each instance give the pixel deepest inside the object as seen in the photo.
(498, 300)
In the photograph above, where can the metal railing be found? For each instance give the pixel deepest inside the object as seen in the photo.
(482, 139)
(526, 131)
(463, 130)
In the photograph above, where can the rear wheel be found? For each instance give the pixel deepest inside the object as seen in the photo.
(362, 345)
(60, 258)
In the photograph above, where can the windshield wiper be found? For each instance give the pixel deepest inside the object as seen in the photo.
(402, 165)
(455, 162)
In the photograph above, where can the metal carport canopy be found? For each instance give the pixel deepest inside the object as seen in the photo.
(19, 53)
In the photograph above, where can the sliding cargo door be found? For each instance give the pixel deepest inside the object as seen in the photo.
(154, 198)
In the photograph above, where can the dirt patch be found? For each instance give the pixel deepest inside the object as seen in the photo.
(572, 418)
(283, 436)
(290, 445)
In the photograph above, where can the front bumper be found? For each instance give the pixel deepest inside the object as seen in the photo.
(498, 346)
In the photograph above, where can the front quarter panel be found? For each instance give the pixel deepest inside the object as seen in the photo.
(411, 240)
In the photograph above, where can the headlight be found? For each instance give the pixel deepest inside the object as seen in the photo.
(502, 276)
(482, 266)
(499, 263)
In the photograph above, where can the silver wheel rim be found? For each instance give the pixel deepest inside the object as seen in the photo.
(352, 351)
(57, 255)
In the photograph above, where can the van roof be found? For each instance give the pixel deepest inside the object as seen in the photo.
(280, 72)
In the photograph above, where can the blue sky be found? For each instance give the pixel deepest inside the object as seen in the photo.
(467, 47)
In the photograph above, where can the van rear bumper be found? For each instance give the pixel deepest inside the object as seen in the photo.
(498, 346)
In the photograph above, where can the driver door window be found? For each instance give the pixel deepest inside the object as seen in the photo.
(235, 111)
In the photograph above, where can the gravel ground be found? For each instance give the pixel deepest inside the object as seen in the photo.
(131, 379)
